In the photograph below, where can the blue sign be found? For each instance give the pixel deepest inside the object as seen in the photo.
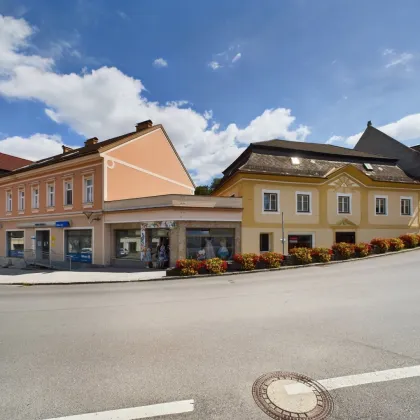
(14, 253)
(62, 224)
(84, 257)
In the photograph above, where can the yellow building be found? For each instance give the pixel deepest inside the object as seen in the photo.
(324, 193)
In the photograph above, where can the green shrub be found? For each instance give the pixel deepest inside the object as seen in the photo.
(396, 244)
(301, 255)
(343, 250)
(362, 249)
(321, 254)
(272, 259)
(410, 240)
(380, 244)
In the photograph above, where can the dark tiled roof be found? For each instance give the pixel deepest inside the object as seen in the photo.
(416, 148)
(325, 149)
(319, 168)
(10, 163)
(82, 151)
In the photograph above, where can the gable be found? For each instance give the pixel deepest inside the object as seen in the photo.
(154, 154)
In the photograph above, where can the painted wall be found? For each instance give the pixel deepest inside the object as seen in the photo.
(146, 166)
(26, 181)
(325, 220)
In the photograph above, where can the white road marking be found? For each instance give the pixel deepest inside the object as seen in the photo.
(361, 379)
(134, 413)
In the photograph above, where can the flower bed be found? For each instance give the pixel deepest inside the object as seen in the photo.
(343, 250)
(248, 262)
(271, 259)
(297, 256)
(321, 254)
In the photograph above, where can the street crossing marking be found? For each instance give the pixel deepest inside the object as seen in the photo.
(361, 379)
(134, 413)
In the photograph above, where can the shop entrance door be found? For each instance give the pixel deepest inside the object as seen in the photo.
(43, 245)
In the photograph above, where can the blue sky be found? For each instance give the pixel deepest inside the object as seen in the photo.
(227, 73)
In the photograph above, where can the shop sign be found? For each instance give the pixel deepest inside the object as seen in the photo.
(62, 224)
(58, 224)
(293, 239)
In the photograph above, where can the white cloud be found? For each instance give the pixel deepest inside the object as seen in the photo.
(405, 129)
(35, 147)
(236, 58)
(335, 139)
(160, 62)
(14, 34)
(106, 102)
(396, 59)
(215, 65)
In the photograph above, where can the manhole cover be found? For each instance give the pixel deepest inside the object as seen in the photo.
(284, 396)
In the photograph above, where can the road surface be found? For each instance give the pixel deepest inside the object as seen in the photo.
(201, 343)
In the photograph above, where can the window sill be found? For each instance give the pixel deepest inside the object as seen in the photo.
(87, 205)
(50, 208)
(8, 213)
(304, 213)
(68, 207)
(270, 212)
(35, 210)
(21, 212)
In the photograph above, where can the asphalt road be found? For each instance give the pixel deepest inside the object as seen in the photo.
(68, 350)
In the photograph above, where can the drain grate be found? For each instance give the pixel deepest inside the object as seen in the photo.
(311, 402)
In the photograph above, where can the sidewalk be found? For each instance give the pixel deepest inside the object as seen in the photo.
(26, 277)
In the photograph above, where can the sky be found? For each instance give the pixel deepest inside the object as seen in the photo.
(218, 75)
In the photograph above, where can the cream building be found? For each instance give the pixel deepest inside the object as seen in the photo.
(323, 194)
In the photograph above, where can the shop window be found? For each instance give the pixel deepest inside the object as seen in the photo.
(79, 245)
(204, 243)
(15, 244)
(299, 241)
(128, 244)
(264, 242)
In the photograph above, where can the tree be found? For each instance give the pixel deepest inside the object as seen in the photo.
(207, 189)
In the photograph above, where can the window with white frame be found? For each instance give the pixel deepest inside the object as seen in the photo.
(68, 192)
(35, 197)
(406, 206)
(270, 201)
(381, 205)
(303, 202)
(344, 203)
(9, 201)
(21, 200)
(50, 194)
(88, 189)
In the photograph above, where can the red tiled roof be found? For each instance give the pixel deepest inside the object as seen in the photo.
(10, 163)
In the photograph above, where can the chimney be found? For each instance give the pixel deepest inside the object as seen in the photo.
(143, 125)
(91, 142)
(369, 124)
(66, 149)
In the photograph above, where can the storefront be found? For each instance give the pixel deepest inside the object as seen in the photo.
(78, 245)
(15, 243)
(300, 241)
(182, 227)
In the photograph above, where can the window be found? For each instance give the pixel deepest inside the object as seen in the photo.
(21, 200)
(271, 201)
(68, 193)
(344, 203)
(88, 189)
(15, 243)
(303, 202)
(128, 244)
(406, 204)
(50, 195)
(79, 245)
(299, 241)
(295, 160)
(381, 207)
(203, 244)
(35, 197)
(264, 242)
(9, 201)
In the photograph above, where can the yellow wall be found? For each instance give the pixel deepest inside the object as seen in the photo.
(324, 220)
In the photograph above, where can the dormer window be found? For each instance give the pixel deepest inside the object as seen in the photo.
(295, 160)
(368, 166)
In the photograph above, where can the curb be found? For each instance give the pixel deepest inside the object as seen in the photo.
(200, 276)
